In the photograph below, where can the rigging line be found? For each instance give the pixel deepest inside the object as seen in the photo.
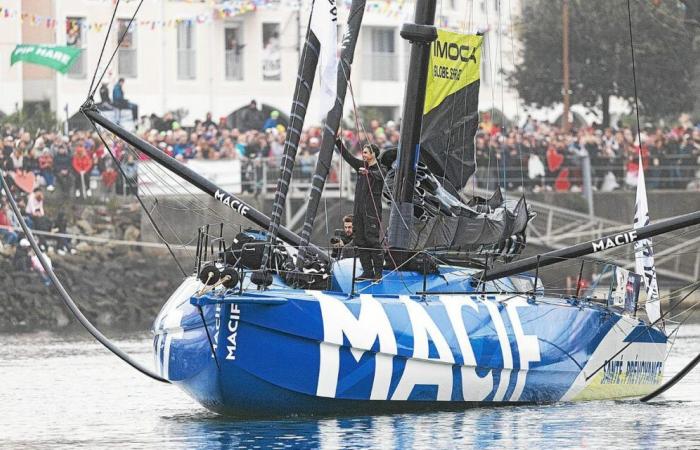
(697, 285)
(672, 382)
(340, 185)
(138, 197)
(291, 143)
(104, 45)
(634, 78)
(360, 127)
(67, 300)
(488, 136)
(160, 235)
(202, 206)
(505, 150)
(151, 174)
(511, 28)
(620, 252)
(688, 310)
(116, 49)
(157, 209)
(674, 333)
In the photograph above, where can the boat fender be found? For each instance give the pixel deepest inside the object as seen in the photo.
(209, 274)
(232, 279)
(261, 278)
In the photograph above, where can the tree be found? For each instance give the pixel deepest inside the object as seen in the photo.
(33, 117)
(600, 56)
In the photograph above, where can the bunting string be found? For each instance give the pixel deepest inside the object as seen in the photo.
(220, 10)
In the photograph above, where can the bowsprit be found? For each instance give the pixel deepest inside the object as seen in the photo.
(614, 241)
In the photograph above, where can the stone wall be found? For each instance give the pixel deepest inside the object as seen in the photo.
(116, 288)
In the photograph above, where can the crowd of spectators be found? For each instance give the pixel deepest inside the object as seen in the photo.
(535, 156)
(539, 156)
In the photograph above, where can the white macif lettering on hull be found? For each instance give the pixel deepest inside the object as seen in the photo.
(528, 346)
(233, 332)
(422, 370)
(371, 324)
(474, 387)
(505, 350)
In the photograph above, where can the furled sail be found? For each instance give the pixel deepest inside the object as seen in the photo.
(325, 156)
(321, 44)
(451, 112)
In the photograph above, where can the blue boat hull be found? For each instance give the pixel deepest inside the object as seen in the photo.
(286, 351)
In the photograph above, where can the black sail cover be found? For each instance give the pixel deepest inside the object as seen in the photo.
(451, 112)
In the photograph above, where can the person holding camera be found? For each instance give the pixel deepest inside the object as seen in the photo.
(342, 241)
(367, 211)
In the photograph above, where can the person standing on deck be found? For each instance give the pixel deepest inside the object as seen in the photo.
(367, 211)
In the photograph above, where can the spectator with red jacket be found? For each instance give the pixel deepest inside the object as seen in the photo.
(82, 163)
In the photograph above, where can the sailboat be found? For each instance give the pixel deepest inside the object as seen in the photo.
(271, 325)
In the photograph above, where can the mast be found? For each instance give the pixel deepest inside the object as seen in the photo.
(607, 242)
(197, 180)
(330, 129)
(421, 34)
(565, 64)
(302, 92)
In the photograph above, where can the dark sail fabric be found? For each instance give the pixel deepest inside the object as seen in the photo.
(451, 113)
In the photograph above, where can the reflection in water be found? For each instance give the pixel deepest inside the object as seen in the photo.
(59, 392)
(608, 424)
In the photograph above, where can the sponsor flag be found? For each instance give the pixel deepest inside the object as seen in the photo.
(59, 58)
(644, 253)
(451, 112)
(324, 25)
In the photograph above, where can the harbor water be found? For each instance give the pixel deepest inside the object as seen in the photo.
(60, 391)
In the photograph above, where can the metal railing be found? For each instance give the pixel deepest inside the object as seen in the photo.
(604, 178)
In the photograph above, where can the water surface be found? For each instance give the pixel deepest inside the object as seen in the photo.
(60, 392)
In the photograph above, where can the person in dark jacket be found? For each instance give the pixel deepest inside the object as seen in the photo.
(367, 211)
(62, 169)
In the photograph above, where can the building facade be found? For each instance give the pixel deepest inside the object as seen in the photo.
(213, 56)
(10, 76)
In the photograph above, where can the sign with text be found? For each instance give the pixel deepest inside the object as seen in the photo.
(57, 57)
(154, 180)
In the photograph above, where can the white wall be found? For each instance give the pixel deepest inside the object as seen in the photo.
(10, 77)
(157, 88)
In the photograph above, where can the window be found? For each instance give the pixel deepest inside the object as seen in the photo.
(271, 58)
(126, 57)
(186, 53)
(234, 52)
(380, 55)
(75, 37)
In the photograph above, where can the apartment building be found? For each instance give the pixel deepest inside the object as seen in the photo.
(10, 76)
(207, 56)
